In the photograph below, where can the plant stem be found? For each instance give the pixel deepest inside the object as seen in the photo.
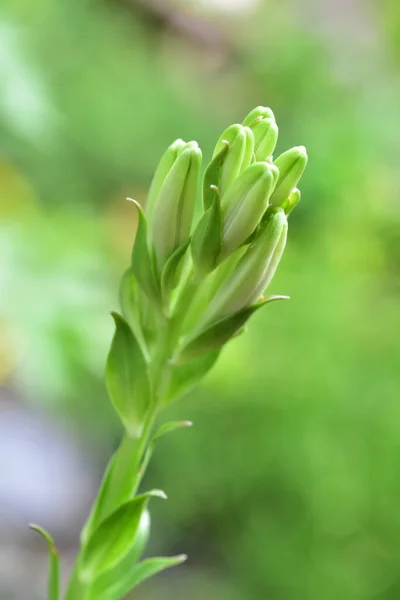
(122, 484)
(127, 466)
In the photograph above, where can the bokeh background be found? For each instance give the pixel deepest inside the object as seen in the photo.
(288, 486)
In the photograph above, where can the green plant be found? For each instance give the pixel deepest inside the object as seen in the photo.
(184, 296)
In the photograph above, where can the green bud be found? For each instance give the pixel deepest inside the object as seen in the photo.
(164, 166)
(255, 114)
(173, 211)
(245, 203)
(291, 165)
(265, 137)
(290, 203)
(239, 156)
(254, 271)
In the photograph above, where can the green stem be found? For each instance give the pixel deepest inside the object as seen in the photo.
(119, 485)
(122, 485)
(127, 466)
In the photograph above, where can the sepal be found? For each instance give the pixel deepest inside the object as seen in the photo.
(206, 241)
(221, 332)
(142, 261)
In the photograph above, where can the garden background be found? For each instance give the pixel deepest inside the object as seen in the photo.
(288, 485)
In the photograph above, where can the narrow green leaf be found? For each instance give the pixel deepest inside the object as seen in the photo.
(94, 517)
(207, 238)
(107, 580)
(138, 573)
(127, 377)
(170, 274)
(114, 538)
(212, 176)
(142, 262)
(129, 299)
(53, 589)
(168, 427)
(218, 334)
(186, 376)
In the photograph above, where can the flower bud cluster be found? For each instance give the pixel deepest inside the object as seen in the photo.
(220, 266)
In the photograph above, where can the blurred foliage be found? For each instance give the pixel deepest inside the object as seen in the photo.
(287, 486)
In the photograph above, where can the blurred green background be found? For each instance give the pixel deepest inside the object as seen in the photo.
(288, 486)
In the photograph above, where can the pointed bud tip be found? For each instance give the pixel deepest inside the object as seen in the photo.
(191, 145)
(254, 115)
(136, 203)
(300, 151)
(264, 167)
(276, 214)
(117, 317)
(158, 494)
(272, 168)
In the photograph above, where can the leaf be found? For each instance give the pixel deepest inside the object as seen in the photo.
(127, 377)
(95, 513)
(171, 272)
(113, 576)
(212, 176)
(186, 376)
(114, 538)
(139, 573)
(142, 262)
(218, 334)
(169, 427)
(53, 589)
(207, 238)
(130, 306)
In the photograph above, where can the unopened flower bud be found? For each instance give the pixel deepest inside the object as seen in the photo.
(245, 203)
(259, 112)
(290, 203)
(265, 137)
(239, 156)
(163, 168)
(173, 210)
(291, 165)
(254, 271)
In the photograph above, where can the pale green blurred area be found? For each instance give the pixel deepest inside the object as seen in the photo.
(288, 486)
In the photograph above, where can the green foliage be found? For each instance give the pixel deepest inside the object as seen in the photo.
(127, 378)
(113, 539)
(170, 275)
(217, 335)
(53, 590)
(142, 263)
(136, 575)
(185, 377)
